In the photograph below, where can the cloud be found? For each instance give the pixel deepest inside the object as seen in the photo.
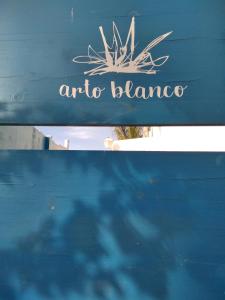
(80, 133)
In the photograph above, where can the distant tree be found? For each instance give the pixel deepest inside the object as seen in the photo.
(130, 132)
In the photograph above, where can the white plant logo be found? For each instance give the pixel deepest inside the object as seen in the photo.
(121, 58)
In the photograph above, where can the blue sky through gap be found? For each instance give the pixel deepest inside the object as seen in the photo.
(81, 138)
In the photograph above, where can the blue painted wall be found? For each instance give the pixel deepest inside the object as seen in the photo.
(39, 39)
(95, 225)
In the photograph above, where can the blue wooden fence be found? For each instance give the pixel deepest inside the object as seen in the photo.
(40, 39)
(101, 225)
(95, 225)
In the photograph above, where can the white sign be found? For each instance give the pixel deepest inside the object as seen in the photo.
(122, 58)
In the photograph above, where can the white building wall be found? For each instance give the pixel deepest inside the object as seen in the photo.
(211, 138)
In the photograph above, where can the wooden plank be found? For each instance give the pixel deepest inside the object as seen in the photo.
(95, 225)
(40, 39)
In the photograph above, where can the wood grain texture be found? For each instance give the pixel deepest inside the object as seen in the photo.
(95, 225)
(39, 39)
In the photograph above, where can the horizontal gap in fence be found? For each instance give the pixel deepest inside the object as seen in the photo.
(123, 138)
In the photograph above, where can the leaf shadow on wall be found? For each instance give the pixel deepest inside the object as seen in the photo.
(124, 244)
